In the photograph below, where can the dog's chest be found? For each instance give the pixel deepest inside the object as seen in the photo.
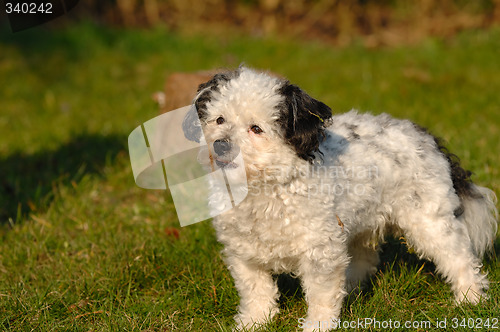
(268, 230)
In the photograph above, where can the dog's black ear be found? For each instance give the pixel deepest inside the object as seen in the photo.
(191, 126)
(303, 119)
(206, 90)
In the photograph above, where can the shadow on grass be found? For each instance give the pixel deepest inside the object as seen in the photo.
(394, 250)
(28, 180)
(290, 289)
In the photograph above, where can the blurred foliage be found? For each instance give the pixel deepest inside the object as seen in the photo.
(383, 22)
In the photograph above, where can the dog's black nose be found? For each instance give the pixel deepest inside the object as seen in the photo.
(222, 146)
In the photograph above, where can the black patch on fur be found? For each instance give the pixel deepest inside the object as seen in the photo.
(459, 211)
(461, 178)
(353, 135)
(191, 125)
(303, 119)
(206, 90)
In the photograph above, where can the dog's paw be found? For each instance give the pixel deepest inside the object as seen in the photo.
(473, 294)
(253, 323)
(470, 297)
(246, 324)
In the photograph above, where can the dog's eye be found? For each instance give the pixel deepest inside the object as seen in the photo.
(220, 120)
(256, 129)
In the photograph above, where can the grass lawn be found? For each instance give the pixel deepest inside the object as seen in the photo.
(83, 248)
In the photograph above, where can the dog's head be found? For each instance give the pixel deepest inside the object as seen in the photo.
(272, 122)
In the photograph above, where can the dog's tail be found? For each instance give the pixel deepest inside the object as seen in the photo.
(480, 215)
(478, 209)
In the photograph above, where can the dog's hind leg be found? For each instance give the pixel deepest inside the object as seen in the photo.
(445, 241)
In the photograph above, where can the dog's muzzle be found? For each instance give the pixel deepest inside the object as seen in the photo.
(225, 153)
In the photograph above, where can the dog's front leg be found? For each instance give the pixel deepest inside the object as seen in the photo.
(258, 293)
(323, 282)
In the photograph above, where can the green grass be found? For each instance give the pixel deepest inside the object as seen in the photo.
(82, 248)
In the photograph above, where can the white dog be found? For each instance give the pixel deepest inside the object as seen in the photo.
(324, 190)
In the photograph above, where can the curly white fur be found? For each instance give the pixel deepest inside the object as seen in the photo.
(320, 214)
